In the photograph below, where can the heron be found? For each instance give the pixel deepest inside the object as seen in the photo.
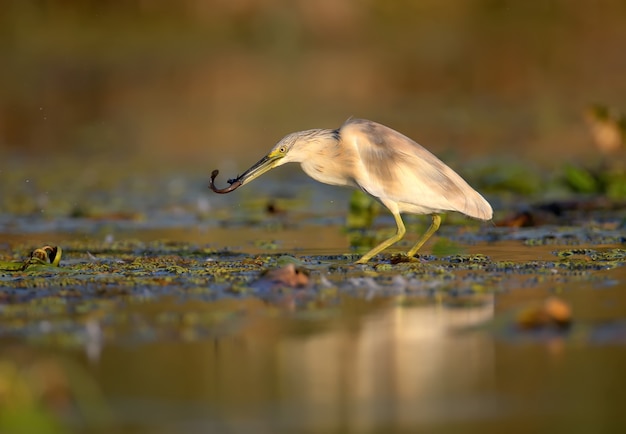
(398, 172)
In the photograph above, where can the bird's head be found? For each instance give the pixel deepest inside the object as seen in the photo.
(289, 149)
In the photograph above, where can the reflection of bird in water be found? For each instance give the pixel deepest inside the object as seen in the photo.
(608, 128)
(401, 174)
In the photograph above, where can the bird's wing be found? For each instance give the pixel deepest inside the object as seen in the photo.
(396, 168)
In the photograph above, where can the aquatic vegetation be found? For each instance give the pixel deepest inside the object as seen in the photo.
(41, 259)
(108, 282)
(96, 279)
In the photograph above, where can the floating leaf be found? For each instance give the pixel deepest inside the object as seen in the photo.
(552, 313)
(46, 257)
(288, 276)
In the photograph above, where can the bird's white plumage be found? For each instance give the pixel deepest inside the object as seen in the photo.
(400, 170)
(400, 173)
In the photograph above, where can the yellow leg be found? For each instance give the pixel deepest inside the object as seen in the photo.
(382, 246)
(431, 230)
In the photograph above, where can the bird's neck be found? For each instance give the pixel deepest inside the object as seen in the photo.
(326, 159)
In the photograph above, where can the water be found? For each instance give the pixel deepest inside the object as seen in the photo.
(347, 354)
(160, 320)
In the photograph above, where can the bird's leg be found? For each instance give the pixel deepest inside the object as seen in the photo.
(382, 246)
(431, 230)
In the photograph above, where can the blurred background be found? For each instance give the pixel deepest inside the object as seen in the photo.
(206, 84)
(113, 115)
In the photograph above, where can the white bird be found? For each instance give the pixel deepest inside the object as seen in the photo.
(398, 172)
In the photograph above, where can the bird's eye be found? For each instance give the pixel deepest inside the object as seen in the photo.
(282, 149)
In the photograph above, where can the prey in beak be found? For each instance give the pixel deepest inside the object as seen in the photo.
(265, 164)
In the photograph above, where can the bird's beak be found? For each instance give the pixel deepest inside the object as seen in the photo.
(265, 164)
